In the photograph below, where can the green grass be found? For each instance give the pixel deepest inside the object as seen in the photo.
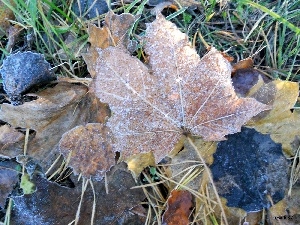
(268, 31)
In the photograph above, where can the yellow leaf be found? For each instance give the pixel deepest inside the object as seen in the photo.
(282, 124)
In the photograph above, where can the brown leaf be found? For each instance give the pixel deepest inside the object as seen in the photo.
(9, 176)
(89, 148)
(52, 204)
(243, 64)
(113, 32)
(178, 210)
(9, 136)
(56, 111)
(279, 210)
(152, 108)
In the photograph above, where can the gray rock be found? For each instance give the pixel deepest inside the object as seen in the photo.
(22, 71)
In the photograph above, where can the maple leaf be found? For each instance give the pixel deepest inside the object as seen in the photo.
(152, 108)
(113, 32)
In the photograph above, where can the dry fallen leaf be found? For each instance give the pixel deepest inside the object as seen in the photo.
(152, 108)
(52, 204)
(186, 167)
(89, 150)
(113, 32)
(9, 176)
(179, 206)
(280, 122)
(56, 111)
(287, 211)
(9, 136)
(243, 64)
(245, 79)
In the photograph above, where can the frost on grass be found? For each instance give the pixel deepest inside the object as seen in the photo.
(177, 93)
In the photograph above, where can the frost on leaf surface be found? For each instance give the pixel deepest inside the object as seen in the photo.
(153, 106)
(89, 149)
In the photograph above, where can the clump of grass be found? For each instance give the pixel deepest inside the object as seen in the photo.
(264, 30)
(50, 28)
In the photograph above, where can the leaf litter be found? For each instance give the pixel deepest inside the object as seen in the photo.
(153, 106)
(56, 111)
(249, 167)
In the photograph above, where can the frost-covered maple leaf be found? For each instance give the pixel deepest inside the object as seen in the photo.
(177, 93)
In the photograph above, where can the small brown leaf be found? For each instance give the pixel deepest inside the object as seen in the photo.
(178, 210)
(89, 148)
(243, 64)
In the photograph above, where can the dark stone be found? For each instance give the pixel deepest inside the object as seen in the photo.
(22, 71)
(247, 168)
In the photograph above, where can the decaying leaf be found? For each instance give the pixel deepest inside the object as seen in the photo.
(137, 163)
(23, 70)
(112, 33)
(89, 8)
(56, 111)
(247, 168)
(179, 206)
(88, 149)
(287, 211)
(153, 108)
(244, 80)
(280, 122)
(9, 176)
(52, 204)
(186, 167)
(9, 136)
(181, 3)
(243, 64)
